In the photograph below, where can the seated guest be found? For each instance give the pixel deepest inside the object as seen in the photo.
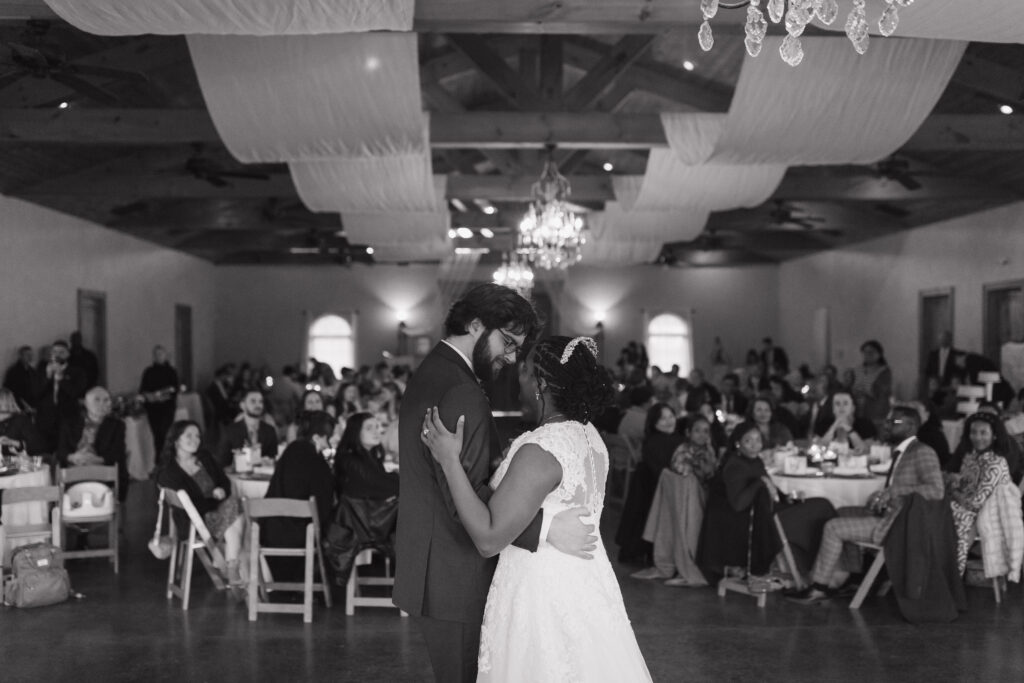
(818, 417)
(359, 464)
(673, 525)
(773, 432)
(348, 401)
(17, 433)
(631, 426)
(982, 454)
(190, 467)
(219, 395)
(700, 392)
(660, 441)
(312, 401)
(300, 472)
(755, 375)
(733, 402)
(1013, 453)
(847, 428)
(95, 437)
(915, 469)
(250, 431)
(931, 432)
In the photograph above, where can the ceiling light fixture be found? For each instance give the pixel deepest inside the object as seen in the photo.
(452, 233)
(369, 251)
(796, 15)
(464, 233)
(490, 210)
(486, 233)
(62, 105)
(550, 234)
(458, 205)
(688, 65)
(608, 166)
(1005, 109)
(515, 272)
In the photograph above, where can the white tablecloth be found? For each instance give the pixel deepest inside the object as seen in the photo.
(248, 488)
(23, 513)
(190, 407)
(841, 492)
(138, 440)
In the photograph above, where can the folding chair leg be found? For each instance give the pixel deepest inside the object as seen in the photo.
(869, 580)
(307, 588)
(172, 567)
(787, 554)
(186, 576)
(350, 591)
(254, 570)
(323, 575)
(996, 590)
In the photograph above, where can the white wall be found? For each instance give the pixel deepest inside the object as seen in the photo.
(263, 311)
(871, 289)
(46, 257)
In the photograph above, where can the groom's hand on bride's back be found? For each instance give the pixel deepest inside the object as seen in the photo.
(570, 535)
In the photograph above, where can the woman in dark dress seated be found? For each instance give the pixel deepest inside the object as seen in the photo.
(659, 443)
(190, 467)
(738, 534)
(301, 472)
(762, 413)
(17, 433)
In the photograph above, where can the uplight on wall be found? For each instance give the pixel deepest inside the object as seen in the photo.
(401, 316)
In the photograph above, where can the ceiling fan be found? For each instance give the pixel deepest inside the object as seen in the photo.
(202, 167)
(894, 168)
(34, 58)
(785, 216)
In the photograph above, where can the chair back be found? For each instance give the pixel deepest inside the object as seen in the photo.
(180, 500)
(70, 475)
(29, 494)
(256, 508)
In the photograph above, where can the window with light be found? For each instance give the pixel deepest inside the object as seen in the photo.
(669, 343)
(331, 341)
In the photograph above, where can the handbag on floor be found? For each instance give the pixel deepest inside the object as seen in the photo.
(38, 577)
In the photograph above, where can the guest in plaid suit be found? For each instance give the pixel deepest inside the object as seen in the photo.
(915, 469)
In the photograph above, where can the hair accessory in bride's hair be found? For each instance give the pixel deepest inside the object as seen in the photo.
(571, 346)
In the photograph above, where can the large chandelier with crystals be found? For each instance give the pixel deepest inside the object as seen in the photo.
(797, 14)
(550, 234)
(516, 273)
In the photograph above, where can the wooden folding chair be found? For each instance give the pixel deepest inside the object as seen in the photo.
(869, 578)
(741, 586)
(104, 474)
(19, 535)
(198, 543)
(353, 593)
(260, 580)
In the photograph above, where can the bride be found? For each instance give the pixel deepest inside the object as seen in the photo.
(549, 616)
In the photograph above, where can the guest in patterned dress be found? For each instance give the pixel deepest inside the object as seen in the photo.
(983, 448)
(189, 466)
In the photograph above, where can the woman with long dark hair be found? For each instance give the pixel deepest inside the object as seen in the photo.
(872, 384)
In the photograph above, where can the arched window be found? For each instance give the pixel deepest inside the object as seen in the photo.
(669, 343)
(331, 341)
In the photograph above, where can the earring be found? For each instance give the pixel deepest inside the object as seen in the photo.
(536, 395)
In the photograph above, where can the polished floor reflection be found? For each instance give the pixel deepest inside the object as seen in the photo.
(125, 630)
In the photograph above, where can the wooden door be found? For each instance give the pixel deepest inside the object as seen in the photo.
(936, 307)
(1003, 316)
(92, 323)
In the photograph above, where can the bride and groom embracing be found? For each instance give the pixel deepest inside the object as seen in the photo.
(550, 608)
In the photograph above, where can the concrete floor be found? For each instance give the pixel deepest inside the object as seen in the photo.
(125, 630)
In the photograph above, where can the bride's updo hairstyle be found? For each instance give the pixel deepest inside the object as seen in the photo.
(580, 387)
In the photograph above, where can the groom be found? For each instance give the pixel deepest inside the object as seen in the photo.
(441, 579)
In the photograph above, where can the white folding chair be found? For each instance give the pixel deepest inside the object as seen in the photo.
(260, 581)
(198, 542)
(353, 593)
(869, 578)
(108, 513)
(22, 534)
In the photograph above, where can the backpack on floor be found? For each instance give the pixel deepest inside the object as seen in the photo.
(38, 577)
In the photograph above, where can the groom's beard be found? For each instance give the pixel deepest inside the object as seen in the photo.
(483, 362)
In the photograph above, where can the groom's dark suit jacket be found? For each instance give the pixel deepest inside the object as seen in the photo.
(439, 573)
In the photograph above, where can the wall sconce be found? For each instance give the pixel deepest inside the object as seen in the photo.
(401, 316)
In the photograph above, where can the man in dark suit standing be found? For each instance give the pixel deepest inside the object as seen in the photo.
(20, 378)
(60, 387)
(944, 364)
(441, 580)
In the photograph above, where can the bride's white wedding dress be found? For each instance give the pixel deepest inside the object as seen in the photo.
(551, 616)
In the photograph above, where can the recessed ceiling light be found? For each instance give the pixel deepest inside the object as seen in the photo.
(464, 233)
(452, 233)
(608, 166)
(487, 233)
(458, 204)
(369, 250)
(490, 210)
(62, 105)
(372, 63)
(1006, 109)
(688, 65)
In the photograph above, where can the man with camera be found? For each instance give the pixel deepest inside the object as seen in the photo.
(60, 388)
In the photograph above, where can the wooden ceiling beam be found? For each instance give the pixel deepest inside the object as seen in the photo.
(1001, 83)
(608, 70)
(518, 91)
(551, 71)
(968, 133)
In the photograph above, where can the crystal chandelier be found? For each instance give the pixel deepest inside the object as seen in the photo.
(550, 234)
(797, 14)
(516, 273)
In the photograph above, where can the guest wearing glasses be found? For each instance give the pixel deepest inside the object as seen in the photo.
(915, 469)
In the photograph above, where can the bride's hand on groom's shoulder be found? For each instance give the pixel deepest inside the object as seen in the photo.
(568, 533)
(443, 444)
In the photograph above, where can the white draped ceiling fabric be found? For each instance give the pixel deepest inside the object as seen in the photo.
(620, 237)
(234, 17)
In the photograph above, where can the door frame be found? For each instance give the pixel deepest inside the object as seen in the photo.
(925, 345)
(986, 289)
(100, 344)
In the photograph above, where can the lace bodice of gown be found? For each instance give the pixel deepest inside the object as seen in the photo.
(580, 451)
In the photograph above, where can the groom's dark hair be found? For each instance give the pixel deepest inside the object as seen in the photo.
(497, 307)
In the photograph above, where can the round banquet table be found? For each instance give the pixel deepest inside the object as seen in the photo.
(249, 485)
(840, 491)
(138, 442)
(20, 514)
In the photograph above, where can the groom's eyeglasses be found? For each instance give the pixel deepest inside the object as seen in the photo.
(511, 345)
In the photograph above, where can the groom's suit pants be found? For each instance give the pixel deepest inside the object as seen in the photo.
(453, 648)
